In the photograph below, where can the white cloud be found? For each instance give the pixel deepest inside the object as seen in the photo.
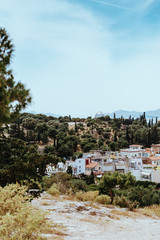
(113, 5)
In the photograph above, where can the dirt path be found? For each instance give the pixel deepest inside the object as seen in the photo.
(91, 221)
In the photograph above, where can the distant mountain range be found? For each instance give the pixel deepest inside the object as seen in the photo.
(47, 114)
(149, 114)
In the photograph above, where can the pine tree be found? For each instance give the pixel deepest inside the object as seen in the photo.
(127, 135)
(13, 96)
(115, 137)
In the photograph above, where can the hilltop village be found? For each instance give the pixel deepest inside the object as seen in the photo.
(143, 163)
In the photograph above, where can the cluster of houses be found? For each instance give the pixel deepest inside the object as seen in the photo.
(144, 164)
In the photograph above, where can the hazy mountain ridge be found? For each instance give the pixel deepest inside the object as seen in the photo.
(135, 114)
(149, 114)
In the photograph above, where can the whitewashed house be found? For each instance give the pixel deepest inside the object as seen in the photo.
(132, 151)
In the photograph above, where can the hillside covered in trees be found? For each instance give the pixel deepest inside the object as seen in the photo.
(66, 136)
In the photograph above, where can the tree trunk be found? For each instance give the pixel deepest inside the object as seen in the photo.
(111, 194)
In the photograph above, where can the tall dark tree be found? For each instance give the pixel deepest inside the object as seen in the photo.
(52, 132)
(115, 137)
(149, 123)
(127, 135)
(13, 96)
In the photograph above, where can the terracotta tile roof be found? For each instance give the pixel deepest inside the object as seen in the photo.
(130, 151)
(97, 173)
(92, 165)
(155, 145)
(154, 158)
(134, 145)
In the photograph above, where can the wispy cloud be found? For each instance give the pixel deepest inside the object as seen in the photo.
(113, 5)
(148, 3)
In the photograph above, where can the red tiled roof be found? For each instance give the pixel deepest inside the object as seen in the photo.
(92, 165)
(154, 158)
(97, 173)
(155, 145)
(134, 145)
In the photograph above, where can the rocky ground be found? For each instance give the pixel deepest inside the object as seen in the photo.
(85, 220)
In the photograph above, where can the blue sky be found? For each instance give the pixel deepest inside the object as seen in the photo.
(79, 57)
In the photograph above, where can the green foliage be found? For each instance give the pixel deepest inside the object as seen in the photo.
(60, 178)
(145, 184)
(123, 202)
(78, 185)
(69, 170)
(19, 161)
(110, 180)
(88, 179)
(144, 196)
(13, 96)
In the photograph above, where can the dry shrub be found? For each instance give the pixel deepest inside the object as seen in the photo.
(151, 211)
(18, 218)
(11, 198)
(103, 199)
(53, 190)
(87, 196)
(27, 223)
(123, 202)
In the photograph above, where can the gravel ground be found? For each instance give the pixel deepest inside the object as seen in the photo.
(83, 220)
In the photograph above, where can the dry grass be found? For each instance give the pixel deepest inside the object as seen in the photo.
(55, 238)
(113, 216)
(152, 211)
(46, 203)
(54, 229)
(93, 205)
(47, 197)
(93, 213)
(128, 214)
(89, 220)
(69, 198)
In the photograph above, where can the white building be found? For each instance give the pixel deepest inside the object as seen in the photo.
(133, 151)
(78, 166)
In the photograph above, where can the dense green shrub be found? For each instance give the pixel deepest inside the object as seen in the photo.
(145, 184)
(123, 202)
(58, 178)
(103, 199)
(78, 185)
(144, 196)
